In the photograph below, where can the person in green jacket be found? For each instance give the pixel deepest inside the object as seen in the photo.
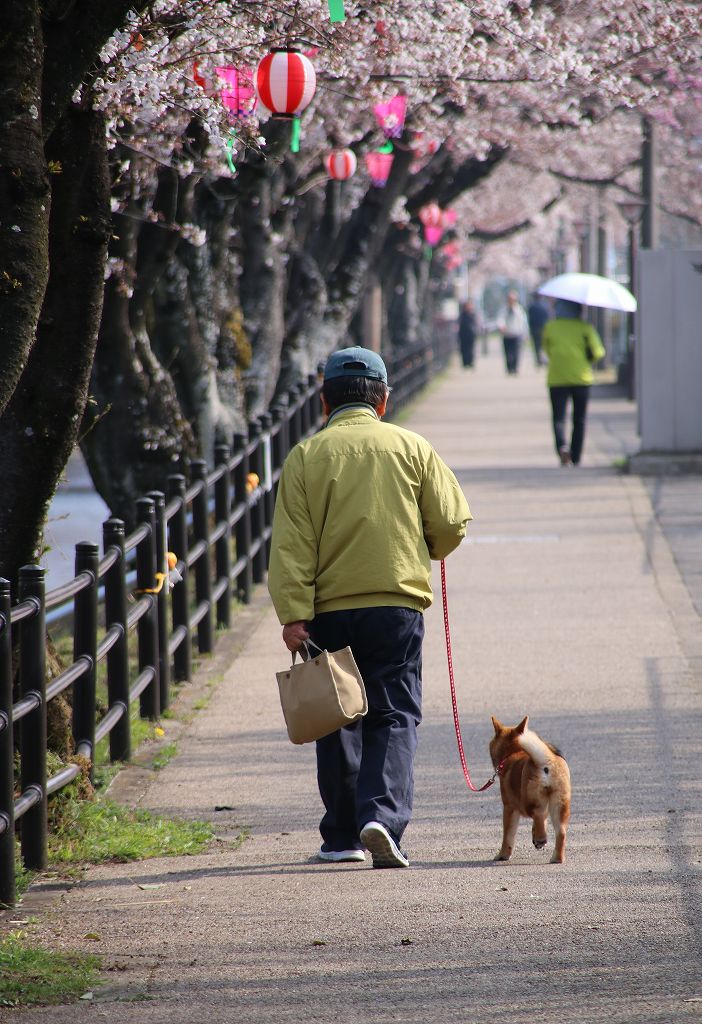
(572, 346)
(362, 507)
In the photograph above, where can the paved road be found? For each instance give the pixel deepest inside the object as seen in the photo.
(568, 604)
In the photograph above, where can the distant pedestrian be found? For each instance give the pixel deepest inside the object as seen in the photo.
(361, 509)
(513, 327)
(538, 314)
(572, 346)
(467, 331)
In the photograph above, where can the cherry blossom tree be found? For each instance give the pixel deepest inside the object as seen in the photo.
(210, 264)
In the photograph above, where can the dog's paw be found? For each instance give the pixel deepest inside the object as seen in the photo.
(501, 856)
(556, 859)
(539, 843)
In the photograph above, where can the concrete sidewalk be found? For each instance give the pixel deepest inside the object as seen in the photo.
(567, 603)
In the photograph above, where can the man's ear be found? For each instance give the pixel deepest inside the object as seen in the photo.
(382, 406)
(325, 405)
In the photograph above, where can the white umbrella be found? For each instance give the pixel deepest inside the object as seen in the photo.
(590, 290)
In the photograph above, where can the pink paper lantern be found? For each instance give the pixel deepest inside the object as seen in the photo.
(432, 234)
(431, 215)
(238, 95)
(285, 82)
(391, 116)
(340, 164)
(379, 165)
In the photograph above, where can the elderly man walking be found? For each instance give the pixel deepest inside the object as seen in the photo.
(361, 509)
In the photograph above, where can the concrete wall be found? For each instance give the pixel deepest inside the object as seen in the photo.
(669, 351)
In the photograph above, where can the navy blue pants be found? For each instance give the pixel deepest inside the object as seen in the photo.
(366, 770)
(511, 346)
(578, 394)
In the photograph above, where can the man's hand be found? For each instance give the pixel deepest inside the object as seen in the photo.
(294, 635)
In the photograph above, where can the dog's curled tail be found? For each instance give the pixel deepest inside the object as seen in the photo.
(539, 752)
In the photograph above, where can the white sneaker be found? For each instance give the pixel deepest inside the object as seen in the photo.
(337, 856)
(384, 850)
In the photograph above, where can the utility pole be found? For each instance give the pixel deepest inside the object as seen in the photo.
(649, 192)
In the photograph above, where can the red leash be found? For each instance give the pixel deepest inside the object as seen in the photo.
(453, 695)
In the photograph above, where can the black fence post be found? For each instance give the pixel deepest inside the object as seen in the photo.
(203, 575)
(147, 627)
(223, 546)
(303, 399)
(118, 655)
(32, 677)
(164, 661)
(278, 448)
(257, 514)
(283, 439)
(242, 532)
(267, 497)
(295, 417)
(312, 403)
(178, 544)
(85, 620)
(8, 892)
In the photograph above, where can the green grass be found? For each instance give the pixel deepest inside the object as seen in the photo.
(95, 831)
(23, 877)
(165, 754)
(32, 974)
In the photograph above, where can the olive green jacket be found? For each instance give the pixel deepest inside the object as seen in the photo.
(572, 346)
(361, 509)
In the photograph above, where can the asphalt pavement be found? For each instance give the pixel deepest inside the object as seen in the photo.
(575, 600)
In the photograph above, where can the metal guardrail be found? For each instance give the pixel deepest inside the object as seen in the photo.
(220, 528)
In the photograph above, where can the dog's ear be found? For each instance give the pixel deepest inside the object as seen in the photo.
(497, 725)
(522, 725)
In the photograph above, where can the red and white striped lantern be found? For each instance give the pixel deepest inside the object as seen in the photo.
(341, 164)
(285, 82)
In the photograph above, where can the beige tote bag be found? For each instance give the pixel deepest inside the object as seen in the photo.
(321, 694)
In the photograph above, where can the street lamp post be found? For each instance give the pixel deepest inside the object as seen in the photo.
(582, 229)
(631, 210)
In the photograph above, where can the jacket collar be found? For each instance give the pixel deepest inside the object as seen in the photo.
(354, 408)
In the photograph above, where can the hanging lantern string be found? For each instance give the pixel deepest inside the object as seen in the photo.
(295, 136)
(230, 150)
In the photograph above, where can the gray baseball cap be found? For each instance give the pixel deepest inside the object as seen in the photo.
(355, 362)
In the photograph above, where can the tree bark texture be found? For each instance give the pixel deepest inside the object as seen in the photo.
(40, 424)
(24, 191)
(135, 432)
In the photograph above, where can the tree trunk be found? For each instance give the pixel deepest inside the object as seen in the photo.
(135, 430)
(24, 191)
(40, 424)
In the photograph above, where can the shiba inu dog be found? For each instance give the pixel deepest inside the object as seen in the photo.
(534, 783)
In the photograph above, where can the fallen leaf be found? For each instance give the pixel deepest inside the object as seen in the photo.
(87, 995)
(151, 885)
(318, 942)
(405, 942)
(501, 888)
(94, 936)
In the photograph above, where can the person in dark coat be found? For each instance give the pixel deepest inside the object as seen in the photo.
(538, 315)
(467, 330)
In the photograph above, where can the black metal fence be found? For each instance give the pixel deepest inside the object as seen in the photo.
(219, 527)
